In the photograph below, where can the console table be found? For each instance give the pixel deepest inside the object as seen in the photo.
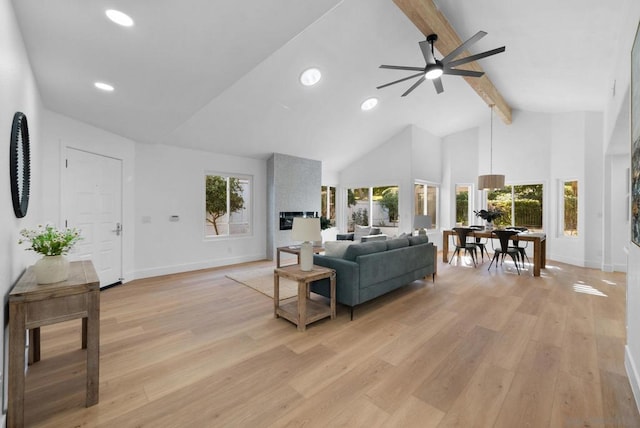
(31, 306)
(303, 311)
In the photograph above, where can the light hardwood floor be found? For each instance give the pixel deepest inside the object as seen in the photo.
(475, 349)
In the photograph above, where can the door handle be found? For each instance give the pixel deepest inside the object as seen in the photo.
(118, 229)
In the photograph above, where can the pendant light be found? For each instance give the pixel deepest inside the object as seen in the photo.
(491, 180)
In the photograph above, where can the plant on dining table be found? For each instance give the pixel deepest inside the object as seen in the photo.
(489, 216)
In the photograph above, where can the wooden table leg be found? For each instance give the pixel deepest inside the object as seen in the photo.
(445, 248)
(333, 295)
(537, 257)
(93, 348)
(17, 339)
(276, 293)
(302, 305)
(543, 253)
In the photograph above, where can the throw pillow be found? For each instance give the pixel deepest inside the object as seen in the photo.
(361, 231)
(336, 248)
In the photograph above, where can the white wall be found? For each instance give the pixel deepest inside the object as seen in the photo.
(170, 181)
(617, 107)
(61, 132)
(460, 166)
(387, 165)
(18, 93)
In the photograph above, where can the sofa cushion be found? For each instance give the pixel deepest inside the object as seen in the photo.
(417, 240)
(361, 231)
(356, 250)
(393, 244)
(336, 248)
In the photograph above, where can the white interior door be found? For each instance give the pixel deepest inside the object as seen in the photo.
(92, 199)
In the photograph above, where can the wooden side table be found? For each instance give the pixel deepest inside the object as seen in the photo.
(303, 311)
(31, 306)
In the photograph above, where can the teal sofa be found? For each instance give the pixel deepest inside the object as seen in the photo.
(370, 269)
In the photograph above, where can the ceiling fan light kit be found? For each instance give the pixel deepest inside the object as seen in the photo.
(435, 68)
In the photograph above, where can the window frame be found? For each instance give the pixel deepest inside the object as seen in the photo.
(250, 202)
(435, 222)
(470, 202)
(485, 199)
(561, 209)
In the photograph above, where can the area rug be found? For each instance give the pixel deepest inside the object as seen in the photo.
(262, 280)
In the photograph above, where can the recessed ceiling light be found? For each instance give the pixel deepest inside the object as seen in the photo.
(310, 76)
(368, 104)
(103, 86)
(119, 18)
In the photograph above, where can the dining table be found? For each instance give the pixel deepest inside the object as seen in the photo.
(539, 240)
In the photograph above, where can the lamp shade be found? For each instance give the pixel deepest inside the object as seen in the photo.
(306, 229)
(422, 222)
(490, 181)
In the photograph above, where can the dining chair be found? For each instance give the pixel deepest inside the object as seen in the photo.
(521, 246)
(504, 236)
(481, 243)
(462, 243)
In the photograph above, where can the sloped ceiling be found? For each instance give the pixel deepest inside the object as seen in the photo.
(223, 75)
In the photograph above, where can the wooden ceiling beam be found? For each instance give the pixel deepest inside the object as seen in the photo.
(429, 20)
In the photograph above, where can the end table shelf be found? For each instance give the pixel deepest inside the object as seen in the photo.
(303, 311)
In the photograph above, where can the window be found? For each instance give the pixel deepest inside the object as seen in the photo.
(463, 205)
(521, 205)
(227, 205)
(358, 207)
(426, 201)
(570, 208)
(328, 204)
(373, 206)
(384, 212)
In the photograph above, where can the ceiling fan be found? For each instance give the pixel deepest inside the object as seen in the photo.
(435, 68)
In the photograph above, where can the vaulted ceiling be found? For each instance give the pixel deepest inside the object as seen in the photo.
(223, 75)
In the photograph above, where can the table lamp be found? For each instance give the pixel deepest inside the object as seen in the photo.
(306, 229)
(422, 222)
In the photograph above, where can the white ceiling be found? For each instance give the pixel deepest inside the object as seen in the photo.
(223, 75)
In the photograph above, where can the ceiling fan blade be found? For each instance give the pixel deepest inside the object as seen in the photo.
(402, 67)
(469, 73)
(437, 83)
(457, 51)
(415, 85)
(425, 46)
(474, 57)
(400, 80)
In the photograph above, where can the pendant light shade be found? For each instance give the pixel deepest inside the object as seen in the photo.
(491, 180)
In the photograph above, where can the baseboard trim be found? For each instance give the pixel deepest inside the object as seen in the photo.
(187, 267)
(632, 374)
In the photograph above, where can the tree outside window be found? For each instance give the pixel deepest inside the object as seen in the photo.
(328, 205)
(462, 204)
(227, 201)
(570, 202)
(358, 207)
(387, 201)
(520, 205)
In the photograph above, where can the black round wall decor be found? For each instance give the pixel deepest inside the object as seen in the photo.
(19, 164)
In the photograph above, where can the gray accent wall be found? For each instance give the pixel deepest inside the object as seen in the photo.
(293, 184)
